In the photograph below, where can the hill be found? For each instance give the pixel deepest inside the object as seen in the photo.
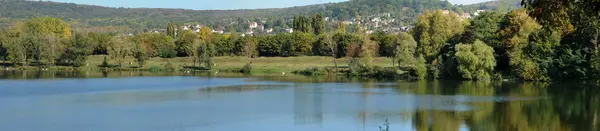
(110, 19)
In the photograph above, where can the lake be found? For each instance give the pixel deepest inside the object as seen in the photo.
(145, 101)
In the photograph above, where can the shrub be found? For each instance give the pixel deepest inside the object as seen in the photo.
(247, 69)
(155, 68)
(169, 67)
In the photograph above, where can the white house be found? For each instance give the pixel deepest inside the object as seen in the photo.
(290, 30)
(376, 19)
(445, 12)
(269, 30)
(185, 28)
(253, 25)
(249, 32)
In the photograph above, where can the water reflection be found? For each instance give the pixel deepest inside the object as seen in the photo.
(288, 103)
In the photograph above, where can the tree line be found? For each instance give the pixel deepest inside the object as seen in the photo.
(527, 44)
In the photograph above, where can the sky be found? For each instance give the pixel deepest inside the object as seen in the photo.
(216, 4)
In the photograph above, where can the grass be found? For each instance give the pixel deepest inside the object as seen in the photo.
(264, 65)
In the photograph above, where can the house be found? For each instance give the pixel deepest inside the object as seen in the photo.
(347, 22)
(445, 12)
(478, 12)
(220, 31)
(270, 30)
(326, 18)
(376, 19)
(185, 28)
(290, 30)
(249, 32)
(197, 30)
(198, 26)
(466, 16)
(369, 32)
(253, 25)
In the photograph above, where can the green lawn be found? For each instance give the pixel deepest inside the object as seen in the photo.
(262, 64)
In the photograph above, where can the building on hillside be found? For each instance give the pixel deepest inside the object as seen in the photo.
(376, 19)
(249, 32)
(185, 28)
(445, 12)
(198, 26)
(478, 12)
(252, 25)
(326, 18)
(347, 22)
(270, 30)
(197, 30)
(290, 30)
(466, 16)
(369, 32)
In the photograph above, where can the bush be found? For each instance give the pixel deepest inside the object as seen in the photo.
(169, 67)
(167, 54)
(155, 68)
(313, 72)
(247, 69)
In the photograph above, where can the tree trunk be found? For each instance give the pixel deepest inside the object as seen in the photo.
(394, 62)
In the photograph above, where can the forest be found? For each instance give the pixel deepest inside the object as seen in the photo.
(545, 41)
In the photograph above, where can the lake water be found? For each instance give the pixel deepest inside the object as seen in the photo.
(143, 101)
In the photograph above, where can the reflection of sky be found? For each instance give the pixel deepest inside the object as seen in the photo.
(134, 104)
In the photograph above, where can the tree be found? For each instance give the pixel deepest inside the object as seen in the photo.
(171, 30)
(405, 50)
(140, 53)
(185, 43)
(368, 50)
(302, 43)
(475, 61)
(44, 48)
(514, 35)
(250, 49)
(385, 42)
(433, 30)
(318, 24)
(302, 24)
(100, 41)
(484, 27)
(77, 50)
(120, 47)
(206, 52)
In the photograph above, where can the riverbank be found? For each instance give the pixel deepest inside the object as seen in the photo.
(261, 65)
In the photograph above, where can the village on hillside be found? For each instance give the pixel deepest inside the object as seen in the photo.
(384, 22)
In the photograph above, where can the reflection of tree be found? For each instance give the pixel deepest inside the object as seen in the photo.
(477, 118)
(579, 106)
(528, 115)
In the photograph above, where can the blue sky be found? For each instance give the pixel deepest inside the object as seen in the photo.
(216, 4)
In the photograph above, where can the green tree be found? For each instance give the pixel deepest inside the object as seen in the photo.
(433, 30)
(385, 42)
(475, 61)
(318, 24)
(185, 43)
(405, 50)
(206, 52)
(100, 41)
(514, 34)
(171, 30)
(119, 49)
(77, 50)
(140, 54)
(484, 27)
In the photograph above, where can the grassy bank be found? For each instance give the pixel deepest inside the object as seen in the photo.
(264, 65)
